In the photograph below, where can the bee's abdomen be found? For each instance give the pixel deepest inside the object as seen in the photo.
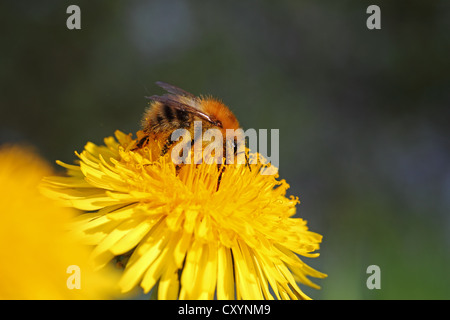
(169, 113)
(163, 117)
(183, 117)
(176, 117)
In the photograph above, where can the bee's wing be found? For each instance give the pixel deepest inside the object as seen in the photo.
(167, 100)
(175, 90)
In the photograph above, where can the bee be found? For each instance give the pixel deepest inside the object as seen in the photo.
(179, 109)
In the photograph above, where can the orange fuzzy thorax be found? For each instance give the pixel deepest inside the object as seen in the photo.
(219, 111)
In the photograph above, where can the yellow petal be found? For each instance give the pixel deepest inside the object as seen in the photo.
(209, 273)
(179, 252)
(190, 270)
(156, 269)
(225, 278)
(102, 254)
(133, 237)
(143, 256)
(246, 285)
(169, 284)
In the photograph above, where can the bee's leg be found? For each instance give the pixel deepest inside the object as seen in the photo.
(184, 156)
(237, 147)
(247, 162)
(166, 147)
(247, 158)
(197, 137)
(141, 142)
(178, 166)
(221, 169)
(177, 169)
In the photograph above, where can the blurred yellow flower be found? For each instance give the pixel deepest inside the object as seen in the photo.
(186, 234)
(39, 260)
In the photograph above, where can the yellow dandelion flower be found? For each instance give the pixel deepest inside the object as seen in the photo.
(39, 260)
(184, 233)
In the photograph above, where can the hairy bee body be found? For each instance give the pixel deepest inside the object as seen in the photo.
(179, 109)
(161, 120)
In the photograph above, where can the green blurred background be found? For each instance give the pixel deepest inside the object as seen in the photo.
(363, 114)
